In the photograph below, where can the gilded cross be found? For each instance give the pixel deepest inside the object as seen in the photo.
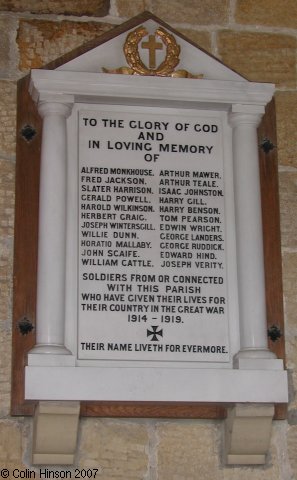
(152, 46)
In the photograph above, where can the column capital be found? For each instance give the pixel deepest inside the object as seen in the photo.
(245, 115)
(54, 108)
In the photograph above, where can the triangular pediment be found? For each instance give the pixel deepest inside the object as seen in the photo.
(107, 52)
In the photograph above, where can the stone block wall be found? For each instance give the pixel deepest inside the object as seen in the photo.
(258, 38)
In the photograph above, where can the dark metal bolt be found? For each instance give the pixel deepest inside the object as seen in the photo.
(267, 145)
(25, 326)
(274, 333)
(28, 133)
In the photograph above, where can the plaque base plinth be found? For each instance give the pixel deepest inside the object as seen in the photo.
(156, 384)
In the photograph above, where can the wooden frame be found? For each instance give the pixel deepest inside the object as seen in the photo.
(26, 245)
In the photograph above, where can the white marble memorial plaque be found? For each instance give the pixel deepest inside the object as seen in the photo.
(152, 265)
(150, 283)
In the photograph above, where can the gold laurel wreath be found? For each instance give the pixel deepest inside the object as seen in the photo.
(136, 65)
(131, 51)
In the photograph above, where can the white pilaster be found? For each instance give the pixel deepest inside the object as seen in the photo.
(52, 230)
(249, 239)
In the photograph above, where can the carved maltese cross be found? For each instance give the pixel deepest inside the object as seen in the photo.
(154, 333)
